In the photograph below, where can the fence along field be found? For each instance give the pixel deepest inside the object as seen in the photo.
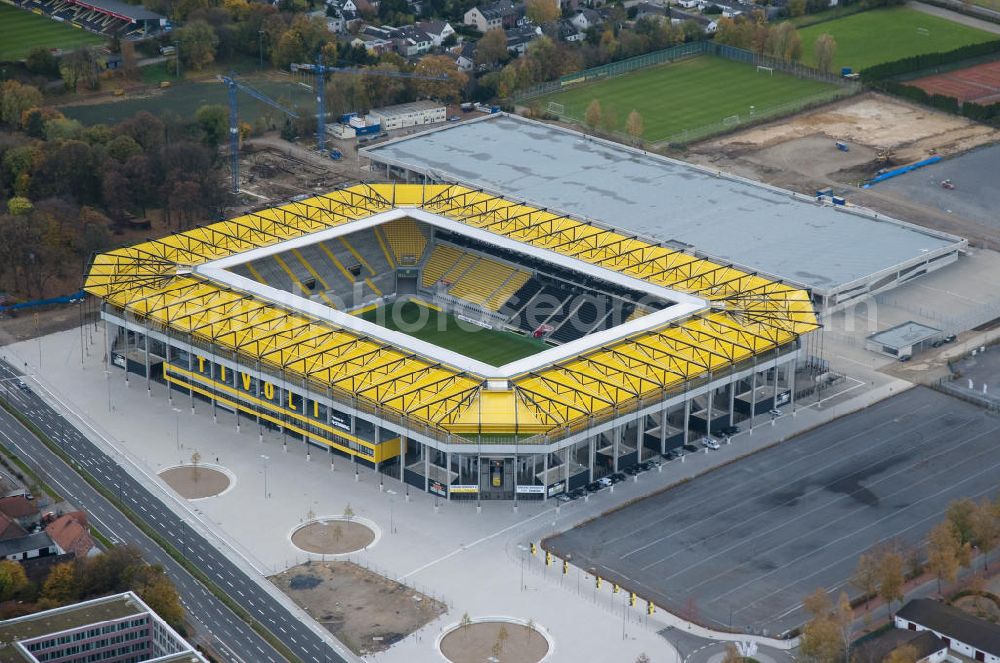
(694, 97)
(884, 35)
(21, 30)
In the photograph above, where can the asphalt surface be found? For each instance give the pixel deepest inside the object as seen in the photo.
(231, 636)
(974, 175)
(741, 546)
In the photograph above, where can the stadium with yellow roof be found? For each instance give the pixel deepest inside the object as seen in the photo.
(467, 344)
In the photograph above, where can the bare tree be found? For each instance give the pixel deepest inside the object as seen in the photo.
(195, 460)
(943, 553)
(866, 576)
(824, 52)
(986, 528)
(592, 118)
(634, 126)
(348, 512)
(890, 576)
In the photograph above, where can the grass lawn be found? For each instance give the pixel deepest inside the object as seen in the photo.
(688, 94)
(883, 35)
(21, 31)
(495, 348)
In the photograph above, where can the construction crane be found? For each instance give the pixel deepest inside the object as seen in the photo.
(234, 138)
(321, 70)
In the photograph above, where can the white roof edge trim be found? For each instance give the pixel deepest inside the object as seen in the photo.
(217, 270)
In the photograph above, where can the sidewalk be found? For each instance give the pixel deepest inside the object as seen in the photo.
(477, 562)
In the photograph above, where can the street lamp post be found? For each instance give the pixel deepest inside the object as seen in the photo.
(177, 428)
(265, 459)
(260, 44)
(177, 58)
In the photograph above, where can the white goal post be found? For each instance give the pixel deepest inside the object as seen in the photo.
(769, 70)
(556, 108)
(731, 120)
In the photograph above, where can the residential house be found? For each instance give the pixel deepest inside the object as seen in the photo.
(70, 534)
(519, 38)
(374, 45)
(39, 544)
(438, 31)
(708, 25)
(502, 14)
(649, 10)
(465, 56)
(566, 31)
(964, 634)
(584, 19)
(10, 529)
(410, 41)
(691, 4)
(19, 509)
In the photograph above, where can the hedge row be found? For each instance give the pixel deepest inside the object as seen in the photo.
(986, 114)
(881, 72)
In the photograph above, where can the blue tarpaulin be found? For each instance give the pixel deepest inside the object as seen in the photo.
(899, 171)
(65, 299)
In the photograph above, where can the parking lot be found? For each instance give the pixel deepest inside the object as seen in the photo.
(741, 546)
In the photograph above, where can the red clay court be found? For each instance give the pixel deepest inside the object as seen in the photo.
(980, 83)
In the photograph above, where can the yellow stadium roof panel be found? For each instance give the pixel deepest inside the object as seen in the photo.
(747, 314)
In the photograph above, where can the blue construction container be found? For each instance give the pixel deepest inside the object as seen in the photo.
(846, 71)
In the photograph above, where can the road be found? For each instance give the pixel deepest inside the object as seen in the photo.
(231, 636)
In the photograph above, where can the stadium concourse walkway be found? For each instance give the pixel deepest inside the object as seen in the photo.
(472, 560)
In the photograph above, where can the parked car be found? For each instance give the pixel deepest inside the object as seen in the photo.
(564, 497)
(617, 477)
(651, 464)
(672, 454)
(709, 443)
(775, 412)
(729, 430)
(21, 384)
(691, 448)
(577, 493)
(594, 486)
(633, 470)
(605, 482)
(950, 338)
(905, 357)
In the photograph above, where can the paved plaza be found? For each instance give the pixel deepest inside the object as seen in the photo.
(475, 561)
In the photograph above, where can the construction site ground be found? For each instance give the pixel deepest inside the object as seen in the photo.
(364, 610)
(799, 153)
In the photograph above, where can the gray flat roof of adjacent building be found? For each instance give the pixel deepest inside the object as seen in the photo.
(904, 335)
(752, 225)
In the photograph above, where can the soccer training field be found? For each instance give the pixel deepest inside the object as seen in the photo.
(495, 348)
(21, 31)
(884, 35)
(688, 94)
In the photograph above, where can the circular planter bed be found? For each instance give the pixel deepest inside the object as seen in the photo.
(500, 639)
(333, 536)
(195, 482)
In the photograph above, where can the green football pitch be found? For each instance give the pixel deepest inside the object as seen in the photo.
(21, 31)
(687, 95)
(489, 346)
(884, 35)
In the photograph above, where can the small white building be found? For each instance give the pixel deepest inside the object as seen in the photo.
(409, 115)
(964, 634)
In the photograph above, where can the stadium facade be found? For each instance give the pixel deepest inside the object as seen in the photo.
(623, 348)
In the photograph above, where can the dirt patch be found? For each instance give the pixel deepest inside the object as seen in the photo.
(982, 607)
(365, 611)
(500, 641)
(194, 483)
(873, 120)
(333, 537)
(799, 153)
